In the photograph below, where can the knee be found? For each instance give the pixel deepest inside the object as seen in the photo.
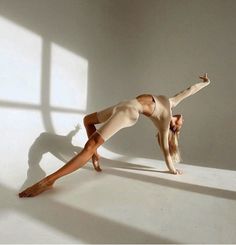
(93, 143)
(90, 146)
(86, 120)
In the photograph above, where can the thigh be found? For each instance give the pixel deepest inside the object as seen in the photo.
(121, 118)
(105, 114)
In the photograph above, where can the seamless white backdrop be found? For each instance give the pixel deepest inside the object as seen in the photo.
(129, 47)
(61, 59)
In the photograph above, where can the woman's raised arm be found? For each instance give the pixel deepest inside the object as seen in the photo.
(175, 100)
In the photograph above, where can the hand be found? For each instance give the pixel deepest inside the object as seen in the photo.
(178, 172)
(205, 78)
(96, 160)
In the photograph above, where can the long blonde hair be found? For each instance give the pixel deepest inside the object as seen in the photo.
(173, 140)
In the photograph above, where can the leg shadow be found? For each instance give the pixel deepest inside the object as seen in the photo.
(59, 146)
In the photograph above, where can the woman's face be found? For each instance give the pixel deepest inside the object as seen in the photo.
(176, 122)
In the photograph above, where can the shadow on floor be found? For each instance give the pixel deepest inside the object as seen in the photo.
(168, 183)
(62, 148)
(81, 224)
(84, 226)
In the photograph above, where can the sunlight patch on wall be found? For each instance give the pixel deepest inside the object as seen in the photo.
(20, 63)
(69, 74)
(64, 123)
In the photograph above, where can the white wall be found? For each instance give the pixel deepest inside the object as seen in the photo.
(169, 44)
(50, 52)
(129, 48)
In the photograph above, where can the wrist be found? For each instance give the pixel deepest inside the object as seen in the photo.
(207, 81)
(173, 171)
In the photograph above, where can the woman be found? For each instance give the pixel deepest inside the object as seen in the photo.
(126, 114)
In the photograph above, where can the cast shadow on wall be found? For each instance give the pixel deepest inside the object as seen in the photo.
(61, 147)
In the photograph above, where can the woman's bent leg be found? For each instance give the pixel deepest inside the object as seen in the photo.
(75, 163)
(81, 159)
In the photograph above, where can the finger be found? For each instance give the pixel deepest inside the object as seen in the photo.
(180, 172)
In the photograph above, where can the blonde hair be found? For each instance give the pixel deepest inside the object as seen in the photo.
(173, 140)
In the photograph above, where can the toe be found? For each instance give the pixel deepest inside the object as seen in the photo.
(98, 169)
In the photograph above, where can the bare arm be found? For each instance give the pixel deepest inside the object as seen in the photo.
(175, 100)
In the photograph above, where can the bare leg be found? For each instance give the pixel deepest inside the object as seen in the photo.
(75, 163)
(89, 123)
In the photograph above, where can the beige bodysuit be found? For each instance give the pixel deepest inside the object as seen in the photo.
(122, 115)
(126, 113)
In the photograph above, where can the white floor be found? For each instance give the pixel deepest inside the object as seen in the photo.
(129, 202)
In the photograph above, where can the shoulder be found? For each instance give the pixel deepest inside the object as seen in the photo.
(171, 102)
(163, 100)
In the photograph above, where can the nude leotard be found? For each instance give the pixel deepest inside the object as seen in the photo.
(126, 113)
(122, 115)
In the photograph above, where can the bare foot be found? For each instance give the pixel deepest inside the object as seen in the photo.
(37, 188)
(95, 160)
(97, 166)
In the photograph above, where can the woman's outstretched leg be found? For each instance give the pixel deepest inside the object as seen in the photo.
(75, 163)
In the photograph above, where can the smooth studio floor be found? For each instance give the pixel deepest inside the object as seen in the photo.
(129, 202)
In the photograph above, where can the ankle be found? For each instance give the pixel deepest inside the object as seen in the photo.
(49, 180)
